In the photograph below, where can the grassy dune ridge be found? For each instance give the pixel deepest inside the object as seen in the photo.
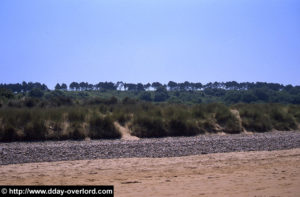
(144, 119)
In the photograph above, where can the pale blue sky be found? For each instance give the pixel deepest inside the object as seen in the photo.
(52, 41)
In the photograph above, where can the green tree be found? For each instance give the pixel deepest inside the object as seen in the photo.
(74, 86)
(6, 93)
(146, 96)
(38, 93)
(57, 87)
(172, 85)
(161, 94)
(64, 86)
(156, 85)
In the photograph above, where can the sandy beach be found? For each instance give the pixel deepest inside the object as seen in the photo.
(257, 173)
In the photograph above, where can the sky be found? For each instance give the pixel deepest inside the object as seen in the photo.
(51, 41)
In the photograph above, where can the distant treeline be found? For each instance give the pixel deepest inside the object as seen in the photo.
(171, 86)
(187, 92)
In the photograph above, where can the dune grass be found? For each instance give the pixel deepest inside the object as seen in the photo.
(95, 120)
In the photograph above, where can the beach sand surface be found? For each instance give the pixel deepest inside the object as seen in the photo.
(261, 173)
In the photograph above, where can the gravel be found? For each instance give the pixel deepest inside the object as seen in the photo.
(28, 152)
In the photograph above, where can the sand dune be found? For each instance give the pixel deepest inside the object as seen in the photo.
(275, 173)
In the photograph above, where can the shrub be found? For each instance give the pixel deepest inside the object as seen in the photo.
(38, 93)
(55, 115)
(254, 119)
(8, 134)
(55, 131)
(15, 103)
(160, 96)
(35, 131)
(16, 117)
(30, 102)
(22, 117)
(146, 96)
(121, 117)
(223, 115)
(76, 116)
(129, 101)
(145, 126)
(179, 127)
(198, 112)
(95, 101)
(282, 120)
(294, 110)
(77, 132)
(103, 109)
(227, 120)
(232, 126)
(6, 93)
(208, 125)
(113, 100)
(213, 107)
(259, 123)
(60, 100)
(103, 127)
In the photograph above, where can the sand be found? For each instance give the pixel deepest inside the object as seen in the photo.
(262, 173)
(125, 132)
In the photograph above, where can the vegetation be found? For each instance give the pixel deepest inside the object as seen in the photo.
(32, 112)
(187, 92)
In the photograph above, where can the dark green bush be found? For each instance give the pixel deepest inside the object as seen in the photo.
(103, 109)
(129, 101)
(6, 93)
(76, 116)
(77, 132)
(294, 110)
(15, 103)
(227, 120)
(121, 117)
(35, 131)
(160, 96)
(113, 100)
(31, 102)
(208, 125)
(38, 93)
(198, 112)
(62, 100)
(54, 114)
(145, 126)
(146, 96)
(180, 127)
(22, 117)
(254, 118)
(9, 134)
(17, 117)
(95, 101)
(213, 107)
(103, 127)
(223, 115)
(55, 131)
(232, 126)
(281, 120)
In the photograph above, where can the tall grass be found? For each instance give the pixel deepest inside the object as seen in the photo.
(144, 119)
(35, 131)
(147, 126)
(265, 117)
(103, 127)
